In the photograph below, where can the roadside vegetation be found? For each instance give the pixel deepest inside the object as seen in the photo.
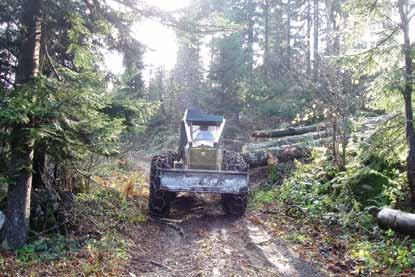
(331, 212)
(96, 237)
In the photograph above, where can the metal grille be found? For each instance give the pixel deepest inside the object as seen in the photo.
(203, 158)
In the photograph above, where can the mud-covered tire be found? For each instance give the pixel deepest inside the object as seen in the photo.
(159, 200)
(234, 204)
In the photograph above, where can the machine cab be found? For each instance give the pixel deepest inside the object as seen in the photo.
(201, 140)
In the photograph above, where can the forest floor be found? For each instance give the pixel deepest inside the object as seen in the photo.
(202, 241)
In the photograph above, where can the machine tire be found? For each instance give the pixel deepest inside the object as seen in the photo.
(159, 201)
(234, 204)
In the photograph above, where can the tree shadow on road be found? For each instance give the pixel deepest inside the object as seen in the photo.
(207, 242)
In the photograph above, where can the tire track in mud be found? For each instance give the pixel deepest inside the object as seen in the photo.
(212, 245)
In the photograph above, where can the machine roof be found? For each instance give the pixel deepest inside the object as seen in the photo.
(196, 117)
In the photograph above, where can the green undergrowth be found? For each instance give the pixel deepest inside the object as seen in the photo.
(159, 139)
(340, 202)
(96, 243)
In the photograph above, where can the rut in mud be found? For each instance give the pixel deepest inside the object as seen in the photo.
(202, 241)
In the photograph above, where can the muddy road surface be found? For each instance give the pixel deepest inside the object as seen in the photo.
(199, 240)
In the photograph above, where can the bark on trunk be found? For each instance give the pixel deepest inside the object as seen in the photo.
(278, 40)
(344, 142)
(250, 49)
(334, 139)
(28, 66)
(291, 131)
(315, 44)
(369, 123)
(308, 38)
(39, 163)
(299, 146)
(278, 154)
(399, 221)
(362, 133)
(329, 30)
(288, 34)
(266, 42)
(18, 197)
(407, 93)
(287, 140)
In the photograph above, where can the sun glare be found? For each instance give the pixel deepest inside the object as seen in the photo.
(159, 40)
(169, 5)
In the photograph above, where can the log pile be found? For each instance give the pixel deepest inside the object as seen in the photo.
(291, 131)
(368, 123)
(276, 155)
(285, 145)
(290, 140)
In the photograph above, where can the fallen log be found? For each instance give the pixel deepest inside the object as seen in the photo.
(299, 146)
(374, 120)
(290, 140)
(285, 153)
(277, 155)
(291, 131)
(289, 152)
(312, 139)
(396, 220)
(366, 124)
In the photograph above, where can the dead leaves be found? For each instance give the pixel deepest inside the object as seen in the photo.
(311, 242)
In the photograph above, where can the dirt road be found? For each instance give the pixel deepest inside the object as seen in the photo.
(201, 241)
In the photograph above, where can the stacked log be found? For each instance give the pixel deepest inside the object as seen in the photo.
(367, 124)
(296, 142)
(291, 131)
(276, 155)
(290, 140)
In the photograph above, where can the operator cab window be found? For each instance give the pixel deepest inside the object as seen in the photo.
(204, 135)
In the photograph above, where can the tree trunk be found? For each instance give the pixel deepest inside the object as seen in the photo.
(334, 138)
(345, 140)
(336, 13)
(278, 38)
(308, 38)
(39, 163)
(288, 34)
(266, 38)
(332, 31)
(329, 30)
(18, 197)
(315, 44)
(407, 94)
(250, 49)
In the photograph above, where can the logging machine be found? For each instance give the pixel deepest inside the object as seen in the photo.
(201, 165)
